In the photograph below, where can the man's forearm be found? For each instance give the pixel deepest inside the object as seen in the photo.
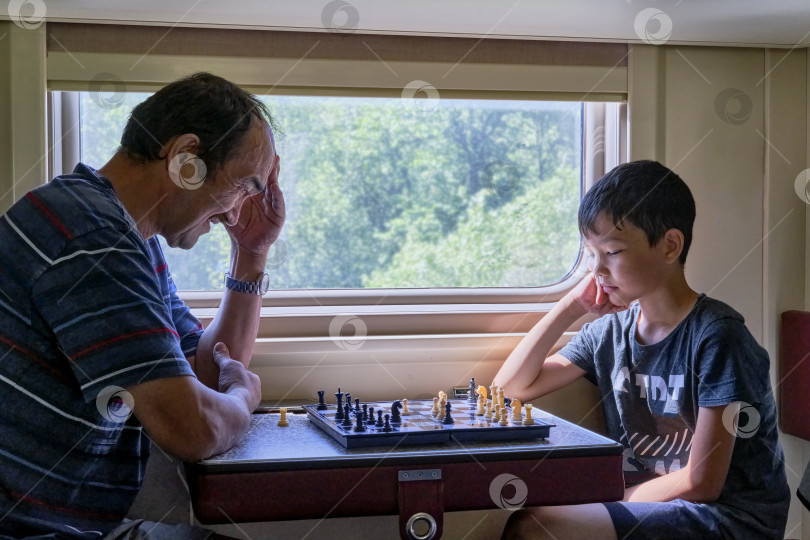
(236, 322)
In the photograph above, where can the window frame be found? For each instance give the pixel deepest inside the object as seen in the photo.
(604, 145)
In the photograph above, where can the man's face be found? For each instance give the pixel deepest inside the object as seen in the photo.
(221, 196)
(624, 263)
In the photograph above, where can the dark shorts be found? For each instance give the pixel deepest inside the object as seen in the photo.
(681, 519)
(664, 521)
(139, 529)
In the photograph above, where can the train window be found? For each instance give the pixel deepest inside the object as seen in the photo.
(402, 193)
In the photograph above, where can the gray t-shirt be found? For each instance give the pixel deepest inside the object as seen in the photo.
(651, 395)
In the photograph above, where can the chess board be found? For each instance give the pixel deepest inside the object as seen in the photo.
(421, 426)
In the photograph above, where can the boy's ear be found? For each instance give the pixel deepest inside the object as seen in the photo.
(672, 244)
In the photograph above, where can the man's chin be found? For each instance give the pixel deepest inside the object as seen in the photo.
(182, 242)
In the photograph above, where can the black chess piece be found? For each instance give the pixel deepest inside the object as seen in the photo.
(447, 418)
(348, 398)
(365, 412)
(379, 419)
(507, 402)
(371, 415)
(359, 425)
(387, 427)
(339, 411)
(356, 405)
(321, 403)
(347, 416)
(396, 418)
(471, 397)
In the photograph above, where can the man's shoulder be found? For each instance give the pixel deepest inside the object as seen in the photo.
(78, 203)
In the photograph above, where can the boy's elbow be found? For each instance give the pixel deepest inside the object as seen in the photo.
(707, 490)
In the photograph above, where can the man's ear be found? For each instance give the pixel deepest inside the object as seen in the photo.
(185, 169)
(186, 143)
(672, 244)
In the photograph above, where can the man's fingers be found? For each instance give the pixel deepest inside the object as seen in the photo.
(277, 198)
(220, 352)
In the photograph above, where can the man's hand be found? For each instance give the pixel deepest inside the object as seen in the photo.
(591, 298)
(234, 378)
(261, 217)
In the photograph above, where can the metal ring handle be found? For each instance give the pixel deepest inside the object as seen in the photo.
(421, 516)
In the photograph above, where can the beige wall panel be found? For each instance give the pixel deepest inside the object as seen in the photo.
(714, 122)
(785, 220)
(22, 100)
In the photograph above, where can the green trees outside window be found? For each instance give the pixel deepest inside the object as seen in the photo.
(394, 193)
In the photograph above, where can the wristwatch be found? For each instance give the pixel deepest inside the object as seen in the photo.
(258, 287)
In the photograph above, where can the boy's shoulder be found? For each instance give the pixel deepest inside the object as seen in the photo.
(706, 312)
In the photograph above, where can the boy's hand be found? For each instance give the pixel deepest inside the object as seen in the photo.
(591, 298)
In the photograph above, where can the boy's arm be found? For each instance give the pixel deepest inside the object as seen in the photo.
(703, 477)
(527, 373)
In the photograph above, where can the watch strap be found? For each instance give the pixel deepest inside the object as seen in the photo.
(257, 287)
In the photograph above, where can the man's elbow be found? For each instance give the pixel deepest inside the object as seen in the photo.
(204, 438)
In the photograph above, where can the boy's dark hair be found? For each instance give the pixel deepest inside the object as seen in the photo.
(645, 194)
(216, 110)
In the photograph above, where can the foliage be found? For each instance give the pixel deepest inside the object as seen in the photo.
(399, 193)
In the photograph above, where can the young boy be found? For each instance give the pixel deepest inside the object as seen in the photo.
(685, 387)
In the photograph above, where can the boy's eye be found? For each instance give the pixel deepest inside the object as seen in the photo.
(614, 252)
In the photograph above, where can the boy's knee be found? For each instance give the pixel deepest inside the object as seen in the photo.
(525, 524)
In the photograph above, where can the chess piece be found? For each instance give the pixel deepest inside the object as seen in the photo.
(517, 410)
(321, 403)
(357, 405)
(481, 406)
(500, 398)
(371, 415)
(395, 416)
(528, 421)
(339, 411)
(379, 423)
(283, 420)
(447, 418)
(405, 411)
(488, 414)
(347, 416)
(503, 421)
(442, 404)
(387, 426)
(359, 426)
(435, 410)
(365, 412)
(471, 392)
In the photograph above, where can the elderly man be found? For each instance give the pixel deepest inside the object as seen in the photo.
(97, 353)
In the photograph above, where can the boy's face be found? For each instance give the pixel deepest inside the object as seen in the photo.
(624, 263)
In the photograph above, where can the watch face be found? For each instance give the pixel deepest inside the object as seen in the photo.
(264, 285)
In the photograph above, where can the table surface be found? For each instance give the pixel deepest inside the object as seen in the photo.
(302, 445)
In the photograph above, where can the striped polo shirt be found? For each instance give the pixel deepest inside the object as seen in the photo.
(87, 309)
